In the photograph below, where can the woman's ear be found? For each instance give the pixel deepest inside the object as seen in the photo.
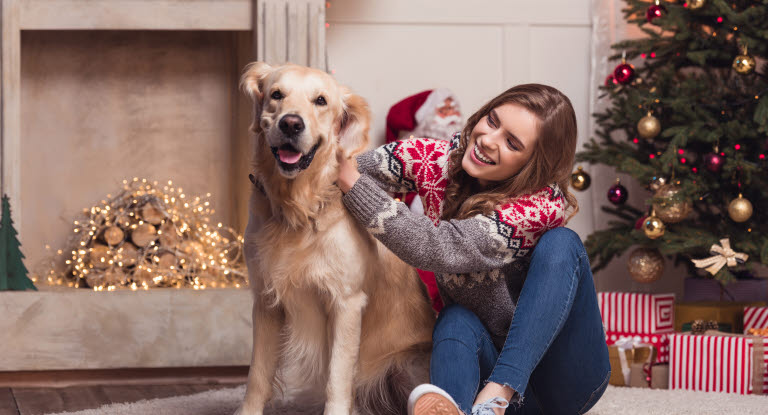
(354, 124)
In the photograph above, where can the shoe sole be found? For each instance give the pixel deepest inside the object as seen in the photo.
(434, 404)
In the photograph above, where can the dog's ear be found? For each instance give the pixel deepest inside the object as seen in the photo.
(252, 81)
(354, 124)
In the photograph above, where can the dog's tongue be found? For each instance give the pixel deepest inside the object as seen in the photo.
(288, 156)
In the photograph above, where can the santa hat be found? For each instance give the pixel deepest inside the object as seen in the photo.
(407, 114)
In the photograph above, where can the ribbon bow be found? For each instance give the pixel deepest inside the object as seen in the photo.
(624, 344)
(722, 255)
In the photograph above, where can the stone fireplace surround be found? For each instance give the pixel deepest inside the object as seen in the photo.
(59, 328)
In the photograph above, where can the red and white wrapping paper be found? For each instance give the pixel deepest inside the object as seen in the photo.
(755, 318)
(659, 341)
(637, 313)
(715, 363)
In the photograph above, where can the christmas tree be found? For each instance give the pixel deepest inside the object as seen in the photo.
(13, 273)
(690, 123)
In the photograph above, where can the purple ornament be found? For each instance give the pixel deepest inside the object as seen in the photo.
(654, 12)
(714, 162)
(617, 194)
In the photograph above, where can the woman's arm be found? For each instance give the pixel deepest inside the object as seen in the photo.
(402, 166)
(477, 244)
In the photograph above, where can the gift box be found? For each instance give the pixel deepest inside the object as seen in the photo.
(731, 313)
(649, 376)
(637, 313)
(625, 355)
(705, 289)
(755, 318)
(718, 362)
(659, 341)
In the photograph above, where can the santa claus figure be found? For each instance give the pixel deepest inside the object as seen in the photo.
(431, 114)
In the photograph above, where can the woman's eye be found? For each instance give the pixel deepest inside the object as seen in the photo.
(277, 95)
(320, 101)
(490, 122)
(511, 146)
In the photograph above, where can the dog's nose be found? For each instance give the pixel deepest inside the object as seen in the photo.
(291, 124)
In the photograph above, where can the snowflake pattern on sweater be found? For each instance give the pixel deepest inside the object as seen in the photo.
(421, 165)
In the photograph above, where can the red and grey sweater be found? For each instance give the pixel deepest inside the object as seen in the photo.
(479, 262)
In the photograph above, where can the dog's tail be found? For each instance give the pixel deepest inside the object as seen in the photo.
(387, 393)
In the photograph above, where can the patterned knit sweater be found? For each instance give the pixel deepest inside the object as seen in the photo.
(479, 262)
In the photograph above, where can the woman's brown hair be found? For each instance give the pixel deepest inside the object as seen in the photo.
(551, 160)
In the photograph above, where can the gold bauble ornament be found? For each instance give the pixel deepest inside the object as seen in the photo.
(696, 4)
(653, 227)
(740, 209)
(673, 209)
(657, 182)
(144, 234)
(645, 265)
(100, 256)
(152, 214)
(580, 180)
(648, 127)
(127, 255)
(744, 64)
(114, 235)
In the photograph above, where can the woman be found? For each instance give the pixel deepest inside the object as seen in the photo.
(521, 325)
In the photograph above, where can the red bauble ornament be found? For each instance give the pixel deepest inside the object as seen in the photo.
(654, 12)
(610, 80)
(714, 162)
(617, 194)
(624, 73)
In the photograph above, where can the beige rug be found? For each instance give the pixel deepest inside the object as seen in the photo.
(623, 401)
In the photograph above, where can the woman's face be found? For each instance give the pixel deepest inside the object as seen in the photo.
(500, 144)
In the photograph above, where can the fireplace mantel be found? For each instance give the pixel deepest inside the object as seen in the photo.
(189, 328)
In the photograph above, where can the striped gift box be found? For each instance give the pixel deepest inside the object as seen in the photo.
(755, 318)
(718, 363)
(659, 341)
(637, 313)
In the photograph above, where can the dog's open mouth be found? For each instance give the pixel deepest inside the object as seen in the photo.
(291, 159)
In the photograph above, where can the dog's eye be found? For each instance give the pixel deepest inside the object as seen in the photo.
(277, 95)
(320, 101)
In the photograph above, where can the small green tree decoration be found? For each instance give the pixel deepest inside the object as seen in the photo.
(13, 273)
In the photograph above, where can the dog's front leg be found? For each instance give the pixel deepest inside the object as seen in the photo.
(347, 316)
(267, 324)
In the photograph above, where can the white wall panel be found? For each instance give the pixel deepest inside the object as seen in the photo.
(457, 12)
(559, 56)
(386, 63)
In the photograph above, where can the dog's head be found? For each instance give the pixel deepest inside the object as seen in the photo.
(302, 116)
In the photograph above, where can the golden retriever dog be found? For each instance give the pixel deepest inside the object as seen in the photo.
(339, 321)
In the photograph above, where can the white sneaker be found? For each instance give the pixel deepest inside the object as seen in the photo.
(427, 399)
(487, 407)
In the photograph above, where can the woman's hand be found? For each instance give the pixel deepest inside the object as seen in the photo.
(348, 173)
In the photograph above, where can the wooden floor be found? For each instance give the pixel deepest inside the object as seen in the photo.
(33, 394)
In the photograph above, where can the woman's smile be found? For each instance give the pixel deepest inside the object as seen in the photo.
(479, 157)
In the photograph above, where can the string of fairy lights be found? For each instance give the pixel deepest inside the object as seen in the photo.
(148, 236)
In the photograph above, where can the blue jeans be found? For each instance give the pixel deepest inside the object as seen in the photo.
(555, 355)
